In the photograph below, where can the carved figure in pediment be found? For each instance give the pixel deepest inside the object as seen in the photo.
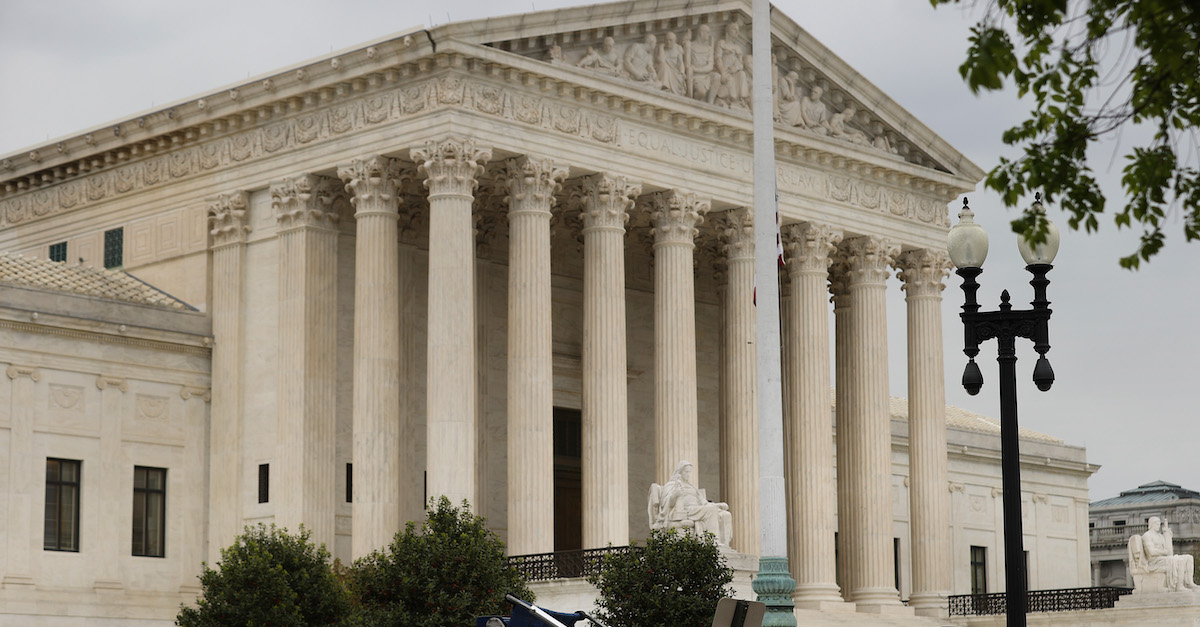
(734, 87)
(814, 115)
(639, 61)
(787, 100)
(605, 60)
(881, 141)
(701, 64)
(839, 129)
(672, 65)
(554, 55)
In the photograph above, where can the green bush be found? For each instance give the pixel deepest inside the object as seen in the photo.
(269, 577)
(444, 574)
(675, 579)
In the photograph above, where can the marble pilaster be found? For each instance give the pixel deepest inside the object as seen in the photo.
(451, 167)
(227, 217)
(306, 486)
(923, 273)
(531, 184)
(675, 216)
(739, 446)
(812, 505)
(24, 480)
(867, 529)
(605, 203)
(113, 482)
(379, 489)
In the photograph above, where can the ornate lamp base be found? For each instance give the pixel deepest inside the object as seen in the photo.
(774, 587)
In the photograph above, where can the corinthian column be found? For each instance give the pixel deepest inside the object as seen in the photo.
(605, 201)
(675, 216)
(868, 465)
(812, 506)
(531, 185)
(451, 166)
(380, 492)
(738, 376)
(304, 451)
(227, 217)
(923, 273)
(843, 404)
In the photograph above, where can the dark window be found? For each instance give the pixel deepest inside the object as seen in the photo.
(114, 248)
(264, 483)
(1121, 523)
(568, 479)
(349, 483)
(896, 560)
(62, 505)
(58, 252)
(978, 570)
(149, 511)
(1091, 525)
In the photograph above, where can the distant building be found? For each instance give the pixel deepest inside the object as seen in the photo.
(1112, 521)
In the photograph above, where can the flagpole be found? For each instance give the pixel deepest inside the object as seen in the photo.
(773, 584)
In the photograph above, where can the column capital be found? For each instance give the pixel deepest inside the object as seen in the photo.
(736, 231)
(605, 201)
(531, 183)
(867, 258)
(676, 216)
(923, 271)
(306, 200)
(227, 217)
(374, 185)
(32, 372)
(809, 247)
(839, 283)
(451, 165)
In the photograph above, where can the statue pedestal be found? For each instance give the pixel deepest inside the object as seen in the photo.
(1159, 599)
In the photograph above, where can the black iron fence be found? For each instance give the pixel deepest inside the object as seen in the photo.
(1063, 600)
(563, 564)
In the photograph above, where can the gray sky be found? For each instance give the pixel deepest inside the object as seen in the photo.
(1124, 343)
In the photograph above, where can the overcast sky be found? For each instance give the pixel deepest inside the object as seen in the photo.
(1125, 344)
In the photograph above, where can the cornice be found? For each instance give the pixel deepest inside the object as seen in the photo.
(402, 77)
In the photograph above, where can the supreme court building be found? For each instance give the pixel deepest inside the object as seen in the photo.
(509, 261)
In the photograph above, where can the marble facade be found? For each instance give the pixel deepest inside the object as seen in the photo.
(414, 252)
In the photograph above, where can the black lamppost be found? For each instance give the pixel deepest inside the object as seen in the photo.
(968, 245)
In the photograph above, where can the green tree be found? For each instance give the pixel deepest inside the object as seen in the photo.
(269, 577)
(675, 579)
(443, 574)
(1140, 60)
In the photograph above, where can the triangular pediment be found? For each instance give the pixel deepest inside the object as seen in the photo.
(699, 51)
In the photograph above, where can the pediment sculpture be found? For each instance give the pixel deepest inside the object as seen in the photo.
(679, 504)
(1154, 564)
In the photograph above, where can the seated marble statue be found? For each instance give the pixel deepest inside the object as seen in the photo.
(1153, 563)
(680, 504)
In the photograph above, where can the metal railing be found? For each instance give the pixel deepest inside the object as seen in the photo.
(1115, 535)
(562, 564)
(1064, 600)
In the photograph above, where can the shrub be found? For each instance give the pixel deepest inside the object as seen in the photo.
(675, 579)
(444, 574)
(269, 577)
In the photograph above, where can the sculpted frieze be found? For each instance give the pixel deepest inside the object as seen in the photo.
(860, 193)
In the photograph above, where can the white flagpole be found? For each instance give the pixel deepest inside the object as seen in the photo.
(774, 585)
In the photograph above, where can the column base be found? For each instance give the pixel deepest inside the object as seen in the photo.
(17, 581)
(880, 601)
(823, 597)
(774, 587)
(935, 604)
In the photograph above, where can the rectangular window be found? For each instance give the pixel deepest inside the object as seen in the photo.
(58, 252)
(114, 248)
(264, 483)
(62, 505)
(978, 570)
(149, 511)
(349, 483)
(896, 560)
